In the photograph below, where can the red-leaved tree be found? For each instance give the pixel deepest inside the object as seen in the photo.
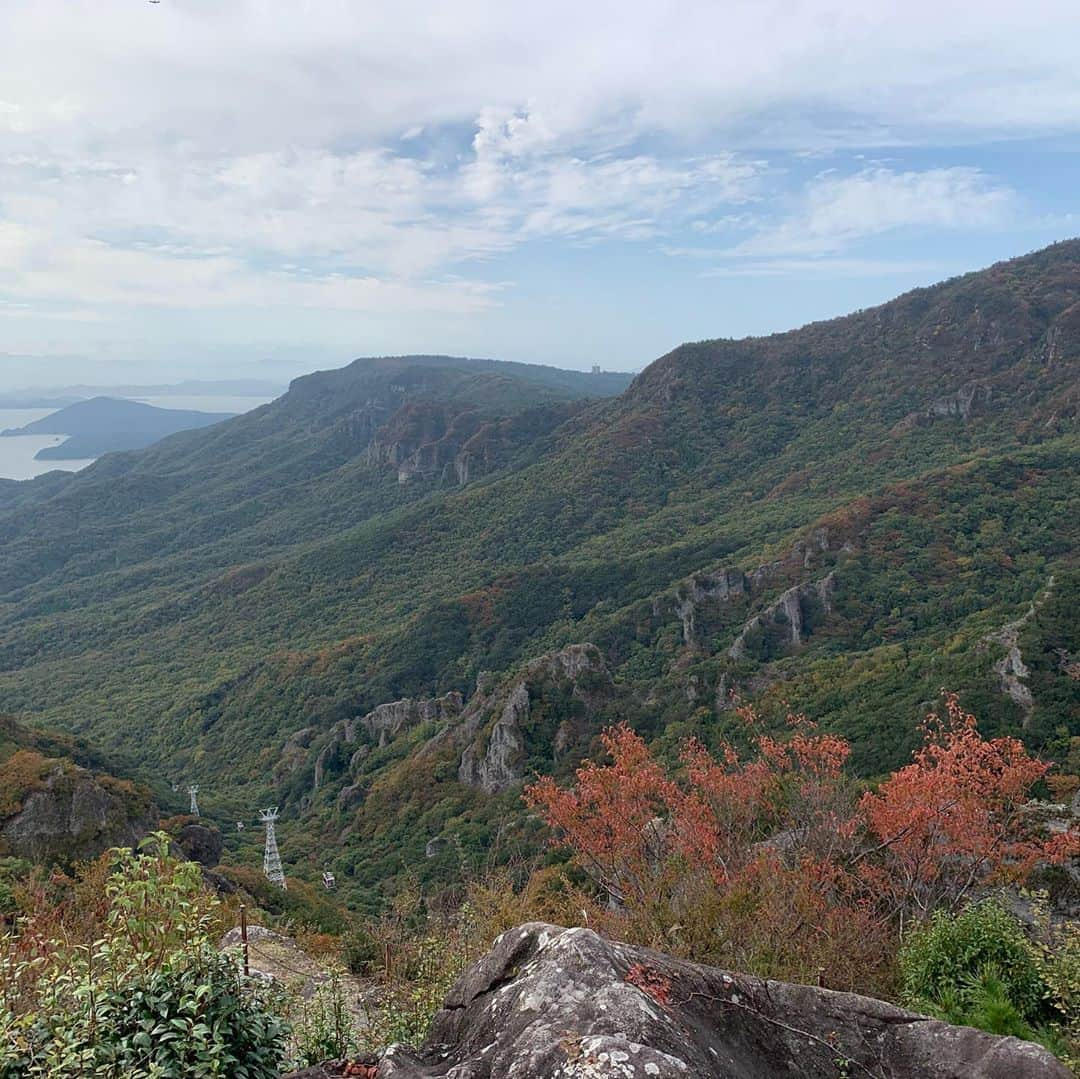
(615, 817)
(954, 819)
(782, 837)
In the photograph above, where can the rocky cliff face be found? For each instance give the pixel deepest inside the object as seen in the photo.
(493, 757)
(488, 733)
(788, 613)
(971, 399)
(701, 588)
(495, 766)
(1011, 669)
(547, 1001)
(75, 815)
(376, 728)
(448, 444)
(705, 598)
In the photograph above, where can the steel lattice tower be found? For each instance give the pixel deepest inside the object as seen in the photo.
(271, 858)
(194, 790)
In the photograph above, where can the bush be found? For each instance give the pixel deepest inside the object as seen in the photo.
(323, 1027)
(132, 985)
(8, 904)
(190, 1017)
(1056, 951)
(409, 1002)
(360, 951)
(955, 962)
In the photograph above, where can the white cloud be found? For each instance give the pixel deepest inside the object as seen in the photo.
(359, 156)
(837, 211)
(247, 74)
(35, 266)
(369, 215)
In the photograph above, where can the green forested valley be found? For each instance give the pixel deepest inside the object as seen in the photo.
(843, 520)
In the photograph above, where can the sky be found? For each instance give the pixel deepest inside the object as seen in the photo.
(231, 188)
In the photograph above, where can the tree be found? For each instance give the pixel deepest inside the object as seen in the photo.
(614, 819)
(626, 820)
(737, 861)
(954, 819)
(791, 857)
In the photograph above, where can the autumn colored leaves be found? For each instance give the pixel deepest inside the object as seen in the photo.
(782, 850)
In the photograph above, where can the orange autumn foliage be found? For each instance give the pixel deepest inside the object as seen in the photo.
(787, 819)
(613, 817)
(954, 819)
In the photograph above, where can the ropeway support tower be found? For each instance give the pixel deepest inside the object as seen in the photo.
(271, 858)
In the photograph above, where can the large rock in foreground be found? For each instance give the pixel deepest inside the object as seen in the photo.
(547, 1001)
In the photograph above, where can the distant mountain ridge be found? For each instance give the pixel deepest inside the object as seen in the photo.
(32, 400)
(234, 387)
(389, 595)
(111, 424)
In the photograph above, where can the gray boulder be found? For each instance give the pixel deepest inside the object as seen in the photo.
(547, 1001)
(201, 844)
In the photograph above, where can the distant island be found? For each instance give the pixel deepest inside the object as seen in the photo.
(108, 424)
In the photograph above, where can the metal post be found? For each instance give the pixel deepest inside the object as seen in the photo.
(244, 939)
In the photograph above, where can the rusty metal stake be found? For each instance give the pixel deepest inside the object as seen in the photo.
(244, 938)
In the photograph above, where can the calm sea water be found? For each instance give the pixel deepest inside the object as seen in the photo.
(17, 453)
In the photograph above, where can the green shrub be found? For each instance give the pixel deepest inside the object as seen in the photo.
(1056, 951)
(190, 1017)
(408, 1005)
(8, 905)
(954, 960)
(323, 1027)
(146, 994)
(360, 951)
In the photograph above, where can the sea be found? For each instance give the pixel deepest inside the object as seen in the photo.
(17, 452)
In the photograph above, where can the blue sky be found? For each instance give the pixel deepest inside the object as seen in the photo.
(192, 189)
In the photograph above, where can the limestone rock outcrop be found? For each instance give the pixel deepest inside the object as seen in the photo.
(382, 723)
(547, 1001)
(495, 766)
(448, 444)
(494, 762)
(76, 815)
(704, 601)
(486, 733)
(1011, 669)
(788, 611)
(972, 398)
(719, 586)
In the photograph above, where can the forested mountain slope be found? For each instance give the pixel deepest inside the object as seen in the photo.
(846, 518)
